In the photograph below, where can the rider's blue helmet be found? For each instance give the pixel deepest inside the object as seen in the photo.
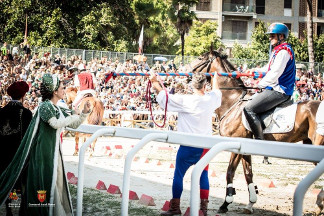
(278, 28)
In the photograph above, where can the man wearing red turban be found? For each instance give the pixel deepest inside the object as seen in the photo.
(14, 121)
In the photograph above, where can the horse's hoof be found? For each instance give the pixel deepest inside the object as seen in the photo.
(247, 211)
(75, 154)
(266, 161)
(222, 209)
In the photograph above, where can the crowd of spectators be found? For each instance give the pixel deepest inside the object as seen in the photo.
(121, 92)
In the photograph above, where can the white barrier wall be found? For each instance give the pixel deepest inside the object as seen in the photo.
(216, 144)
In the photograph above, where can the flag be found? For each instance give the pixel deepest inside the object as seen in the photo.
(140, 41)
(26, 28)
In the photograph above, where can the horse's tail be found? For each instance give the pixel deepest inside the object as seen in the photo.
(96, 115)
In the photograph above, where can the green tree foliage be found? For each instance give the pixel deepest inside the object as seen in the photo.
(299, 47)
(259, 47)
(92, 24)
(201, 36)
(319, 48)
(159, 34)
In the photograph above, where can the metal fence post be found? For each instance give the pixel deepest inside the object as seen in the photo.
(83, 55)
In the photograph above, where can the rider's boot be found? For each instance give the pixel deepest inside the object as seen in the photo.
(174, 208)
(255, 124)
(204, 206)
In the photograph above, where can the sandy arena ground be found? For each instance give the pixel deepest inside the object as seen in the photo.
(156, 180)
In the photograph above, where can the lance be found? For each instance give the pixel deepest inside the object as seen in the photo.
(233, 74)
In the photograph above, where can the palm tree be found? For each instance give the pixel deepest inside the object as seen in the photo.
(310, 34)
(184, 21)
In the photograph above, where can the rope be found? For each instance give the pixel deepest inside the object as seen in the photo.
(149, 101)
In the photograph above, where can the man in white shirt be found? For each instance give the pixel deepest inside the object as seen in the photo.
(194, 116)
(278, 84)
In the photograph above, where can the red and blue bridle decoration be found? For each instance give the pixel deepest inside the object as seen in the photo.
(234, 74)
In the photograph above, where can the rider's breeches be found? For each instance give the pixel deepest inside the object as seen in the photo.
(80, 95)
(260, 103)
(186, 157)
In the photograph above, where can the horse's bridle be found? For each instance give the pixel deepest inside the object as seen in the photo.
(204, 64)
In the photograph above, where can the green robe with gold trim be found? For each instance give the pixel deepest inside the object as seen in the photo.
(40, 153)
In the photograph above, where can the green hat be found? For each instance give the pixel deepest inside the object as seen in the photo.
(51, 82)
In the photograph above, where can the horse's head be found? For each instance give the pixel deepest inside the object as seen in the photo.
(215, 61)
(212, 61)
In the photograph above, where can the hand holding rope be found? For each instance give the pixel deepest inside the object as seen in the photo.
(148, 97)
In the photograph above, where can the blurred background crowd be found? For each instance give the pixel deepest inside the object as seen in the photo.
(121, 92)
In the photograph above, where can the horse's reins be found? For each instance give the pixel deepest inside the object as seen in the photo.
(149, 101)
(230, 109)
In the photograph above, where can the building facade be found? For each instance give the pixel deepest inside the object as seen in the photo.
(237, 18)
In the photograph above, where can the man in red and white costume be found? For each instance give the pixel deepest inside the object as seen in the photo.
(85, 82)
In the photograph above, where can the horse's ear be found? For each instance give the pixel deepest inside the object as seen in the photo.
(211, 48)
(220, 49)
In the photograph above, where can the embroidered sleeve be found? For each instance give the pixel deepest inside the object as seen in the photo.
(46, 111)
(78, 122)
(72, 121)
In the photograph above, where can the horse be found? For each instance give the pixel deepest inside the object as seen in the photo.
(94, 118)
(231, 125)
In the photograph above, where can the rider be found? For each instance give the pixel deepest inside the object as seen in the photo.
(278, 84)
(85, 82)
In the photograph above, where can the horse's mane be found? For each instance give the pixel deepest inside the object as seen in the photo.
(228, 66)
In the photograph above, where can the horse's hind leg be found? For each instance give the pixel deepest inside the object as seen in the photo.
(76, 149)
(230, 191)
(247, 167)
(92, 147)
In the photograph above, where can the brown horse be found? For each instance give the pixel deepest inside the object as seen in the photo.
(94, 118)
(231, 125)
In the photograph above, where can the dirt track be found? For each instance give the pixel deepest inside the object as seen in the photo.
(156, 180)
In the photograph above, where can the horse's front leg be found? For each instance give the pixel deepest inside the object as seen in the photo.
(253, 190)
(76, 149)
(230, 190)
(320, 202)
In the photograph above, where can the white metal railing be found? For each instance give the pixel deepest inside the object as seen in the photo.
(216, 144)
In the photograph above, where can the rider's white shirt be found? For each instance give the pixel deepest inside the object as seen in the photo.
(277, 68)
(194, 111)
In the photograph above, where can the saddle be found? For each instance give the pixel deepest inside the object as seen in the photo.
(280, 119)
(87, 95)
